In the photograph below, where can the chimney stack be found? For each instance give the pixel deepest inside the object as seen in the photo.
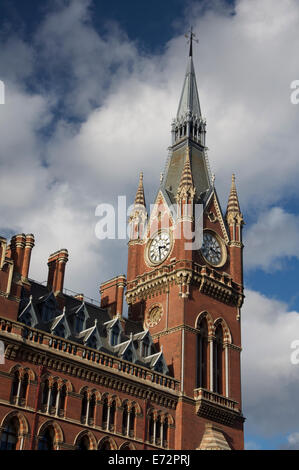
(29, 244)
(17, 246)
(112, 294)
(56, 263)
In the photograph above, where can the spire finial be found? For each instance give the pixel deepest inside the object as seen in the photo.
(191, 37)
(140, 199)
(233, 206)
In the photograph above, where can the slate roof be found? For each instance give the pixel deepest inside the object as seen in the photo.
(41, 310)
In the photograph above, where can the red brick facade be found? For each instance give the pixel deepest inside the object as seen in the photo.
(171, 378)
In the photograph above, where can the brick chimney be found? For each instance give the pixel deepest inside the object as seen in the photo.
(56, 263)
(112, 294)
(29, 244)
(17, 247)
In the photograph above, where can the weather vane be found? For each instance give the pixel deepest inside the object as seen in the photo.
(191, 37)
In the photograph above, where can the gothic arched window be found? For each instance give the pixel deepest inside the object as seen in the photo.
(165, 433)
(132, 422)
(151, 425)
(218, 360)
(202, 355)
(106, 445)
(24, 387)
(9, 438)
(92, 409)
(158, 431)
(62, 398)
(83, 443)
(84, 407)
(15, 384)
(105, 413)
(54, 394)
(112, 415)
(45, 392)
(46, 441)
(125, 420)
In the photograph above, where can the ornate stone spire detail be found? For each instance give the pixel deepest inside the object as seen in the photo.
(186, 187)
(189, 122)
(138, 214)
(140, 199)
(233, 212)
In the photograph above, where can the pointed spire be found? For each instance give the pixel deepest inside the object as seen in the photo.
(186, 186)
(189, 102)
(140, 199)
(233, 206)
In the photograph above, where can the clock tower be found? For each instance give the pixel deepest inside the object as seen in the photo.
(189, 296)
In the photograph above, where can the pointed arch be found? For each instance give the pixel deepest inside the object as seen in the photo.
(170, 419)
(90, 436)
(137, 408)
(23, 423)
(127, 446)
(218, 359)
(204, 326)
(58, 436)
(116, 399)
(227, 337)
(107, 443)
(210, 323)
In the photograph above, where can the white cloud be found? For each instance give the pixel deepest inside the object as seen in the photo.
(292, 442)
(272, 240)
(270, 382)
(244, 91)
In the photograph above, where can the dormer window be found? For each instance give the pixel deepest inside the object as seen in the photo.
(27, 318)
(114, 335)
(60, 330)
(145, 347)
(159, 367)
(48, 311)
(79, 322)
(92, 342)
(128, 356)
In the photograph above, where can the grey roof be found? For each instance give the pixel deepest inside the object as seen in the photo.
(46, 314)
(189, 101)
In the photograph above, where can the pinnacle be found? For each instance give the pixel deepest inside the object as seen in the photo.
(233, 206)
(140, 199)
(186, 182)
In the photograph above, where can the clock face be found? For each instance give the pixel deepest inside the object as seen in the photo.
(211, 249)
(159, 247)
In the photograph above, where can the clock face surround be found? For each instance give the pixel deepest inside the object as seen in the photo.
(212, 249)
(159, 247)
(154, 316)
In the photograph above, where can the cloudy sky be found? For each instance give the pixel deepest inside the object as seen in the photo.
(91, 89)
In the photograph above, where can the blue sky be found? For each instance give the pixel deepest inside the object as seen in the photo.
(91, 88)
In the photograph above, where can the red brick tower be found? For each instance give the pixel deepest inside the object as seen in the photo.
(190, 299)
